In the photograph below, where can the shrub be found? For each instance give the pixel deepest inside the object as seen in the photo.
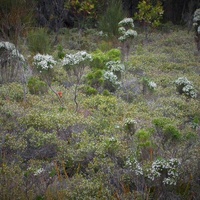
(166, 130)
(95, 78)
(12, 91)
(12, 63)
(106, 69)
(111, 81)
(184, 86)
(76, 63)
(171, 132)
(104, 104)
(37, 86)
(148, 84)
(127, 34)
(99, 58)
(61, 53)
(43, 63)
(90, 90)
(39, 41)
(130, 126)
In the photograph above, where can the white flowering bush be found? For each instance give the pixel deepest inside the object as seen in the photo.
(130, 125)
(111, 78)
(135, 166)
(115, 66)
(127, 34)
(152, 85)
(43, 63)
(166, 170)
(196, 19)
(149, 83)
(126, 29)
(184, 86)
(12, 49)
(77, 59)
(12, 64)
(76, 64)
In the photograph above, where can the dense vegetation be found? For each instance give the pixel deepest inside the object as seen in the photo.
(100, 115)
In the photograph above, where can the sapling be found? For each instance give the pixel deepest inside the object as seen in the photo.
(127, 34)
(76, 63)
(44, 66)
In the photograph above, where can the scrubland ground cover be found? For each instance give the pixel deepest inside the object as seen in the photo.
(138, 138)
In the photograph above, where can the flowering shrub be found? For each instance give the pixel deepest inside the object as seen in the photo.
(169, 167)
(111, 78)
(184, 86)
(76, 63)
(196, 20)
(127, 34)
(43, 62)
(126, 29)
(115, 66)
(12, 64)
(130, 125)
(152, 85)
(79, 58)
(149, 83)
(165, 169)
(11, 48)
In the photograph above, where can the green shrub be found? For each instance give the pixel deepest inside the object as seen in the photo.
(171, 132)
(39, 41)
(166, 129)
(36, 86)
(104, 104)
(100, 58)
(61, 53)
(12, 91)
(130, 126)
(95, 78)
(90, 90)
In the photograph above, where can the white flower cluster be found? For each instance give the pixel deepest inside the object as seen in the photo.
(35, 171)
(130, 121)
(152, 85)
(196, 20)
(11, 47)
(170, 167)
(76, 59)
(43, 62)
(186, 86)
(196, 17)
(128, 34)
(115, 66)
(126, 22)
(126, 29)
(112, 78)
(102, 34)
(38, 171)
(160, 167)
(133, 164)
